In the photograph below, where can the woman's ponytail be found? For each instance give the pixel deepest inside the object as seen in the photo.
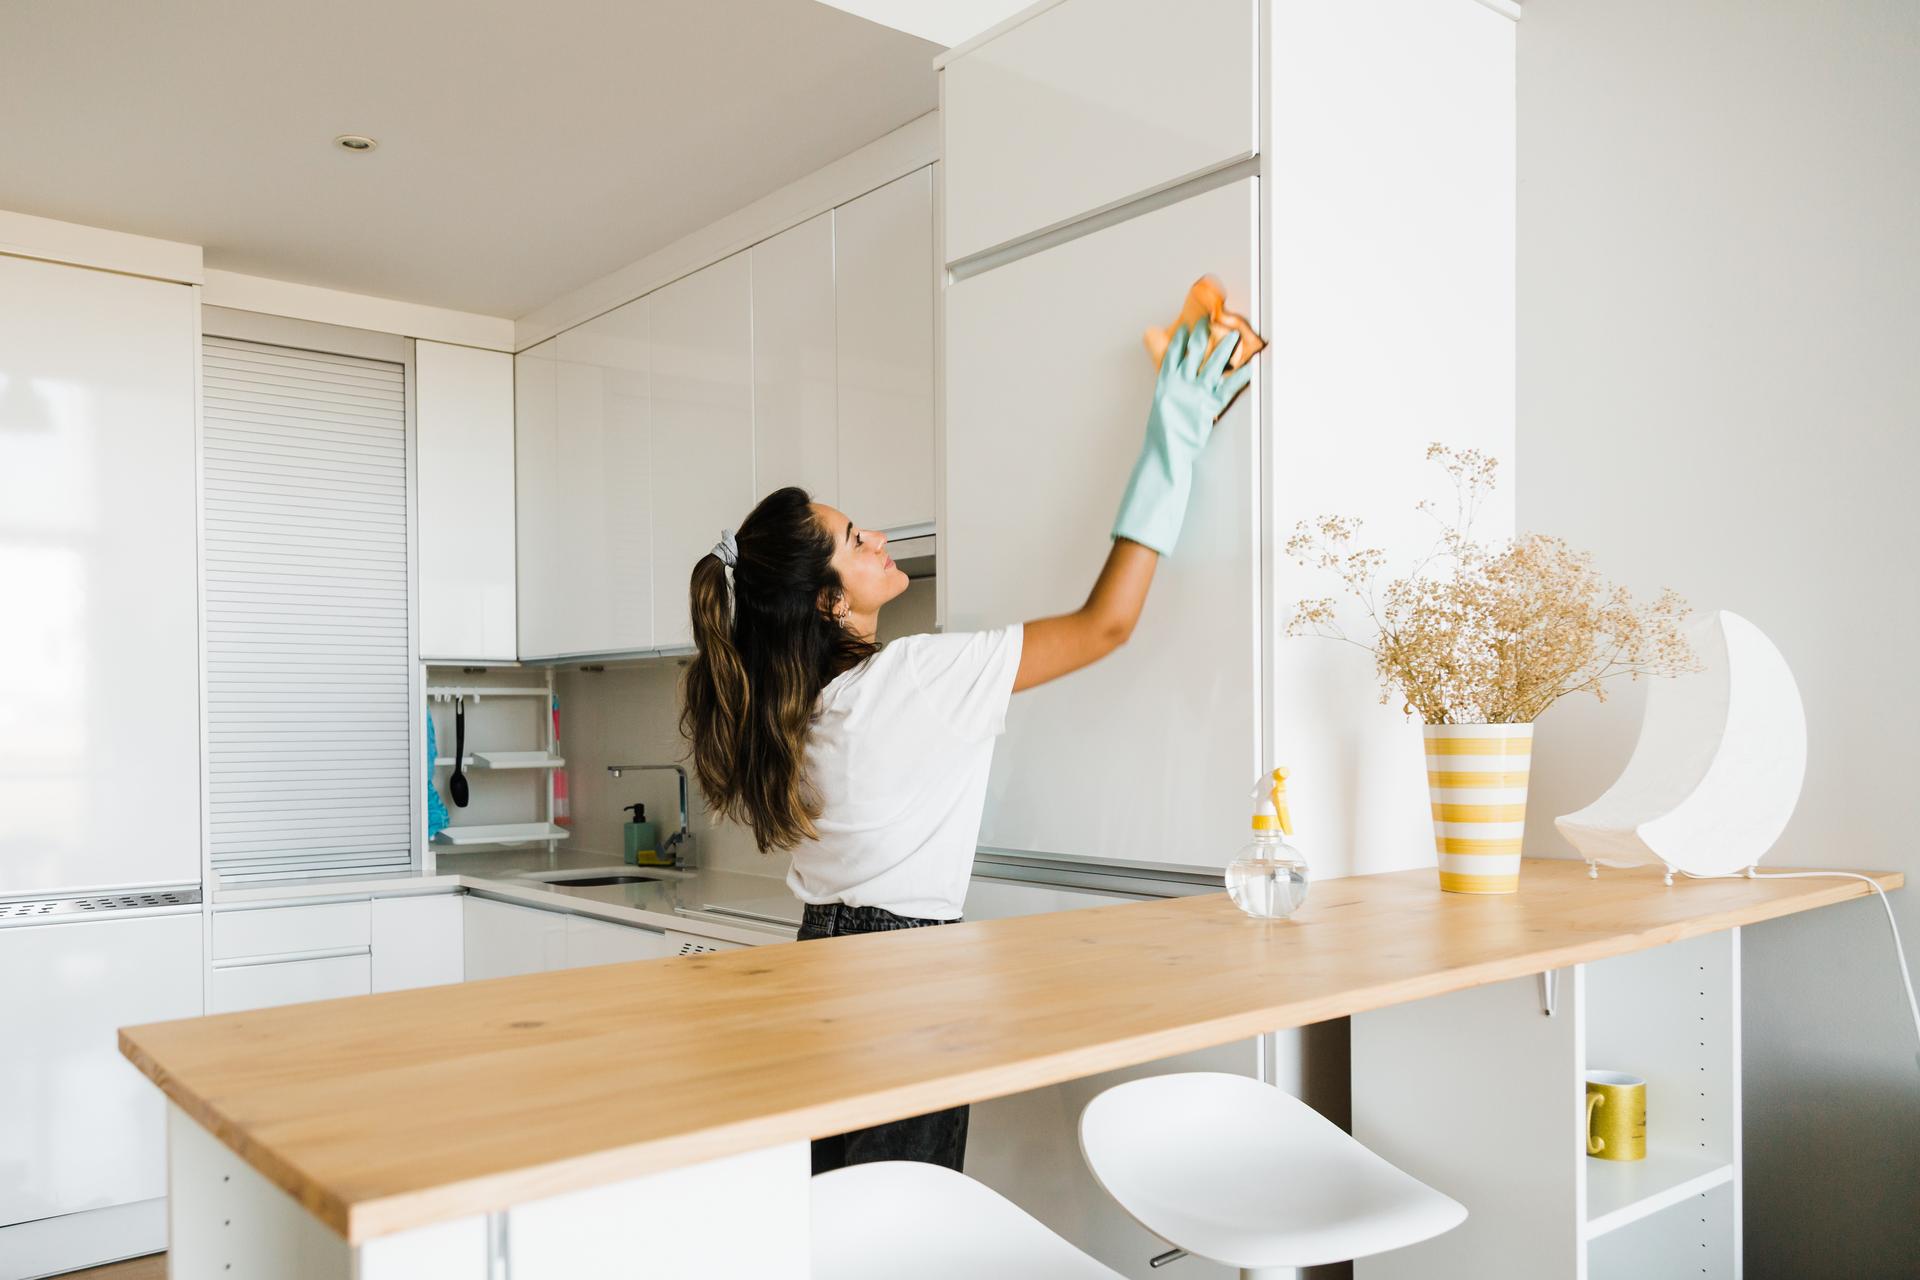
(766, 650)
(716, 686)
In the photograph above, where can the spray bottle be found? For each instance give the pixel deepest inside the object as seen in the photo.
(1268, 877)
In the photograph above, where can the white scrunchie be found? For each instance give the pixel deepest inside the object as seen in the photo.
(727, 549)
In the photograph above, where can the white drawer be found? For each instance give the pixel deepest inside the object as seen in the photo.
(267, 931)
(259, 986)
(1091, 104)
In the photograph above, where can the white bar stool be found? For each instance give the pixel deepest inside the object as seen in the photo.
(1241, 1173)
(894, 1218)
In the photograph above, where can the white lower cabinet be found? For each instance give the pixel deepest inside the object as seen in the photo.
(502, 940)
(417, 942)
(233, 988)
(599, 942)
(80, 1127)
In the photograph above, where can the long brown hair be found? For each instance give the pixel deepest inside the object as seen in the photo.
(767, 648)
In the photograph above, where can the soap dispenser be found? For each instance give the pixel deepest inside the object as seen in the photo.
(643, 839)
(1268, 877)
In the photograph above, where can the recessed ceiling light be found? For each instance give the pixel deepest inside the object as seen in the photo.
(355, 142)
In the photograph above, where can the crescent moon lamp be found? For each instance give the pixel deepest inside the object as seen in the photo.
(1718, 766)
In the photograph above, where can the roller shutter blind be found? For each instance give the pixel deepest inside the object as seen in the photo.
(308, 716)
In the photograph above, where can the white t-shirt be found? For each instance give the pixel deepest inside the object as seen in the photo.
(899, 758)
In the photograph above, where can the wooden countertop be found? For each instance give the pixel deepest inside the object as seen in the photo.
(386, 1112)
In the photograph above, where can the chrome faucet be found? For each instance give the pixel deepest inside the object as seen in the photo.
(679, 845)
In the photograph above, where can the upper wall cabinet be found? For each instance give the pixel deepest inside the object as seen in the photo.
(464, 406)
(796, 431)
(702, 428)
(1085, 106)
(883, 304)
(536, 374)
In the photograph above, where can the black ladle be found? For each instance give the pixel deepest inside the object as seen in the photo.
(457, 784)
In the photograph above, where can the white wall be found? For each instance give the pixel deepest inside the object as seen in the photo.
(1718, 391)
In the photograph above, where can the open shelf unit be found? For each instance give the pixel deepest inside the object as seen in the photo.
(1482, 1094)
(511, 756)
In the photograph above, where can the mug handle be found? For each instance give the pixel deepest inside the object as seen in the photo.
(1594, 1145)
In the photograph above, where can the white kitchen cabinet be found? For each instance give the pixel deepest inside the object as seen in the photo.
(602, 942)
(251, 932)
(417, 942)
(1087, 105)
(464, 415)
(261, 985)
(500, 940)
(883, 303)
(80, 1127)
(537, 513)
(1148, 754)
(702, 428)
(583, 608)
(618, 346)
(99, 703)
(795, 402)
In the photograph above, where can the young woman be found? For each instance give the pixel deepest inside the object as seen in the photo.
(869, 764)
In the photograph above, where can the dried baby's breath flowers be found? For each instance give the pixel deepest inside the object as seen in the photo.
(1488, 634)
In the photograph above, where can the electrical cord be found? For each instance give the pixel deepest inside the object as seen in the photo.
(1899, 952)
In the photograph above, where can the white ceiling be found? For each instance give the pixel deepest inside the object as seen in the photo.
(525, 148)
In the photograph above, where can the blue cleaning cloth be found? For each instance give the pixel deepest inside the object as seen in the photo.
(436, 807)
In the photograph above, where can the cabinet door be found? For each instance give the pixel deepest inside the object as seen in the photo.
(99, 629)
(1150, 753)
(464, 410)
(702, 428)
(80, 1127)
(603, 942)
(584, 604)
(795, 409)
(537, 499)
(417, 942)
(261, 986)
(883, 300)
(1087, 105)
(500, 939)
(618, 345)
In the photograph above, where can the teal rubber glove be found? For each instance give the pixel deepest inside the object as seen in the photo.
(1186, 399)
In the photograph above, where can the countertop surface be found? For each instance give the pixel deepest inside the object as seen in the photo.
(386, 1112)
(729, 905)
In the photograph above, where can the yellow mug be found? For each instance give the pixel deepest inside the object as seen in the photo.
(1616, 1116)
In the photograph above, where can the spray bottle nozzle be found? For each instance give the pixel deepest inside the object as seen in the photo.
(1270, 812)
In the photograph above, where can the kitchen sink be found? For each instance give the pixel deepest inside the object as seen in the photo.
(596, 881)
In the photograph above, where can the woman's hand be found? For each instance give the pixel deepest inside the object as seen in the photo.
(1187, 397)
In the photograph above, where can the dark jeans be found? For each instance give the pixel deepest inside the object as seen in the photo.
(939, 1138)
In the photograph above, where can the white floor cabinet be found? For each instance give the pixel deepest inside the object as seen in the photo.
(503, 939)
(82, 1145)
(1481, 1094)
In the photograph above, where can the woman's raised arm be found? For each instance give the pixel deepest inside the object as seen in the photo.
(1192, 390)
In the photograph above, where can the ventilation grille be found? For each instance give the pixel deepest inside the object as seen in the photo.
(309, 722)
(694, 948)
(99, 904)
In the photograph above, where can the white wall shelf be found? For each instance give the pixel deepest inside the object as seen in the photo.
(514, 760)
(501, 833)
(477, 692)
(1620, 1192)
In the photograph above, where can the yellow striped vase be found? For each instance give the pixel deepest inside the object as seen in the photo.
(1477, 780)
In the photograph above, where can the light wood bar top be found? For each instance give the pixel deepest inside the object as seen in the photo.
(386, 1112)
